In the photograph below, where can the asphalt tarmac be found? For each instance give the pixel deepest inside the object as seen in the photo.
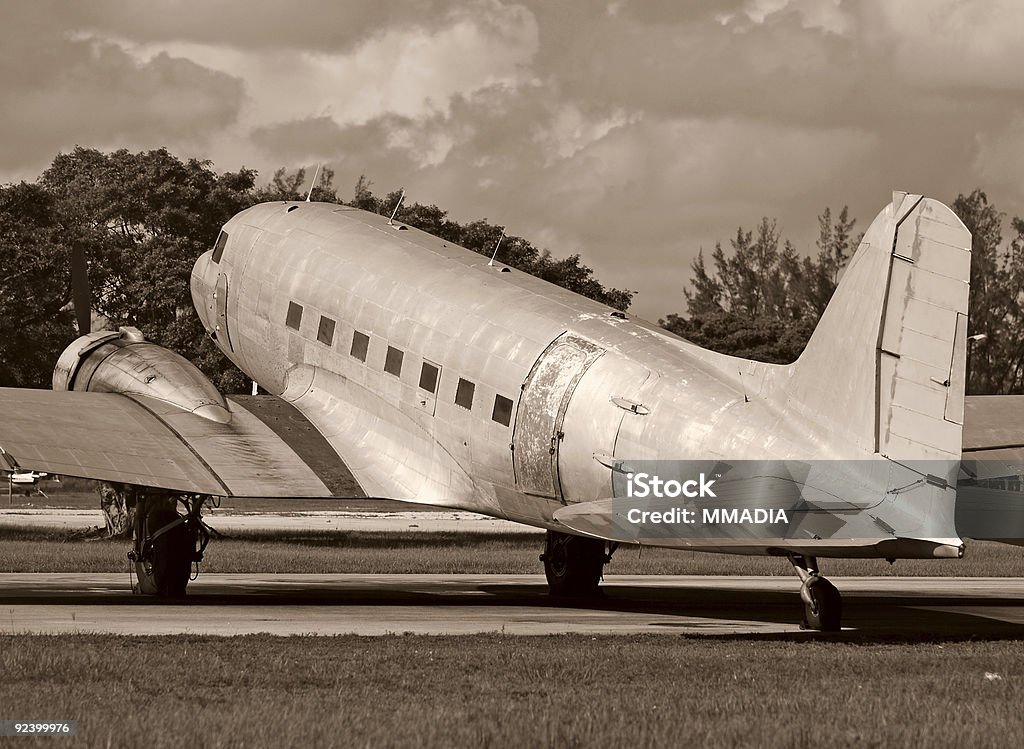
(882, 607)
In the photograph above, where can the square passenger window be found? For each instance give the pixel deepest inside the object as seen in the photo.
(393, 361)
(325, 333)
(294, 319)
(464, 393)
(429, 375)
(502, 412)
(360, 345)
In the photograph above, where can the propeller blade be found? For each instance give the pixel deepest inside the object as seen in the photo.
(80, 295)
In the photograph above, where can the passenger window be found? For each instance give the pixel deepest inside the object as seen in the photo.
(325, 333)
(428, 377)
(294, 319)
(218, 249)
(464, 393)
(393, 361)
(502, 412)
(360, 345)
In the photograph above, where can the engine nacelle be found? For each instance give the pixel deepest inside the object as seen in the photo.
(125, 362)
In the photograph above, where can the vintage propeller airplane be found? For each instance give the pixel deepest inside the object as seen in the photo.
(444, 379)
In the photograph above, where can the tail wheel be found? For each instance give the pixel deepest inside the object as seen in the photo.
(165, 562)
(573, 564)
(823, 605)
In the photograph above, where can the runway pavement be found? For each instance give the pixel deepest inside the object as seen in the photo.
(984, 608)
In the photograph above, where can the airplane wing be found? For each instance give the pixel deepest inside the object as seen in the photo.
(144, 441)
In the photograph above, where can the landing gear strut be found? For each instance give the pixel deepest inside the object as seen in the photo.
(167, 543)
(823, 605)
(573, 564)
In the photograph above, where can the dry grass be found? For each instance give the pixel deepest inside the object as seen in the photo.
(36, 550)
(261, 691)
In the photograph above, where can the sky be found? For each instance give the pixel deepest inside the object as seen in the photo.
(632, 132)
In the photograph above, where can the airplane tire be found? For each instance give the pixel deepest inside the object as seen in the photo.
(167, 570)
(573, 564)
(823, 605)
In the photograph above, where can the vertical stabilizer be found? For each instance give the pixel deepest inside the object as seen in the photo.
(885, 368)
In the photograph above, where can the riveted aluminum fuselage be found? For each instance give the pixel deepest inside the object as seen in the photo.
(640, 393)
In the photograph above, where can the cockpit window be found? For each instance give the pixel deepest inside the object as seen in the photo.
(218, 249)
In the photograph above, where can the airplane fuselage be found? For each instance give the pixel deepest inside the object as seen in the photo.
(443, 379)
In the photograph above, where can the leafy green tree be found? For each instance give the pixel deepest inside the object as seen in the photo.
(364, 197)
(995, 361)
(762, 300)
(144, 218)
(291, 186)
(35, 324)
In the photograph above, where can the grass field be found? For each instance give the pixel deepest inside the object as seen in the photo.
(514, 691)
(496, 690)
(36, 550)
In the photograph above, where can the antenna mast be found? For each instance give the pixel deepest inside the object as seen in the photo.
(313, 185)
(394, 212)
(495, 254)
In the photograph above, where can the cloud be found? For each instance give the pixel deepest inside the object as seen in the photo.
(634, 132)
(999, 162)
(948, 44)
(827, 15)
(408, 70)
(315, 25)
(61, 91)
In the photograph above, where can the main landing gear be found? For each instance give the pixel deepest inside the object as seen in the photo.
(167, 543)
(823, 606)
(573, 564)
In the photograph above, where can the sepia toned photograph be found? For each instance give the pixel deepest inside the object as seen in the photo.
(512, 373)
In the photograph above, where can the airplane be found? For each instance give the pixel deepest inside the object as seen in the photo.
(443, 379)
(26, 481)
(26, 477)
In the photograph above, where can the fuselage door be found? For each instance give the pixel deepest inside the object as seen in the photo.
(538, 428)
(220, 302)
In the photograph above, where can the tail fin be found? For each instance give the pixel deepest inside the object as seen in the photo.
(885, 368)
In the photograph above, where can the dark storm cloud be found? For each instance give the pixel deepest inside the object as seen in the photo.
(320, 138)
(60, 90)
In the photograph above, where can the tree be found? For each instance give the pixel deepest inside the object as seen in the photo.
(762, 300)
(35, 324)
(143, 219)
(287, 186)
(995, 363)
